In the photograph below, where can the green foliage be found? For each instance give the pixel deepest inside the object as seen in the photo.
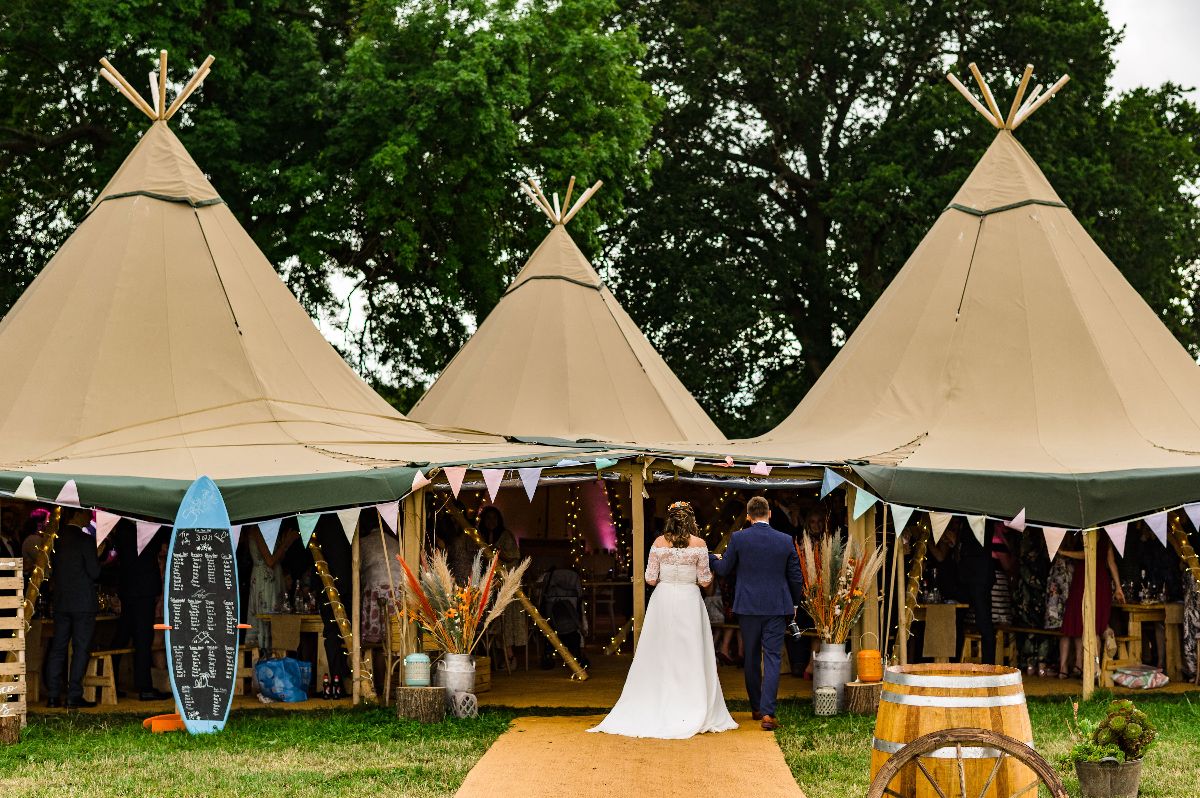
(809, 145)
(1125, 733)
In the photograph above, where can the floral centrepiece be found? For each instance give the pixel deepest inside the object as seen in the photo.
(455, 615)
(836, 576)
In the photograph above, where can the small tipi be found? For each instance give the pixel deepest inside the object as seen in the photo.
(1008, 365)
(159, 344)
(558, 357)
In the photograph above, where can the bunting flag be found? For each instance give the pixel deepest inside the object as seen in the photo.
(686, 463)
(1116, 533)
(604, 462)
(390, 513)
(270, 532)
(761, 469)
(419, 480)
(938, 523)
(1158, 523)
(492, 477)
(104, 524)
(308, 523)
(829, 482)
(69, 495)
(568, 463)
(529, 479)
(978, 524)
(146, 530)
(900, 516)
(1017, 522)
(863, 501)
(235, 535)
(1193, 513)
(455, 476)
(1054, 537)
(349, 521)
(26, 490)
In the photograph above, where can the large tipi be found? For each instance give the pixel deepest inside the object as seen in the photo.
(159, 344)
(558, 357)
(1008, 365)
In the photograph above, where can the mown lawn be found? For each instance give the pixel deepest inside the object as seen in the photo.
(368, 753)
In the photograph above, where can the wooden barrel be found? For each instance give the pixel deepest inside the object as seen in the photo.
(919, 699)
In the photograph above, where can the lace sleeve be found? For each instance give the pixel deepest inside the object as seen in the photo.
(652, 567)
(703, 573)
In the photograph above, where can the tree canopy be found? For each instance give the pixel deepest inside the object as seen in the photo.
(768, 164)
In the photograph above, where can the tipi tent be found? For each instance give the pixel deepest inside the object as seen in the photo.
(159, 344)
(1009, 365)
(558, 357)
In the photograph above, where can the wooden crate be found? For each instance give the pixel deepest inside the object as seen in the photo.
(13, 683)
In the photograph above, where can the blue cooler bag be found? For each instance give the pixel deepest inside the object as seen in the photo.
(284, 679)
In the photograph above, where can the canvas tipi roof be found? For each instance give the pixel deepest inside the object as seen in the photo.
(159, 344)
(1009, 365)
(558, 357)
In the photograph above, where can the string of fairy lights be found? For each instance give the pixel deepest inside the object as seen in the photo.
(575, 536)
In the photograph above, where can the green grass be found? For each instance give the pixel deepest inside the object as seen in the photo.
(369, 753)
(831, 757)
(347, 753)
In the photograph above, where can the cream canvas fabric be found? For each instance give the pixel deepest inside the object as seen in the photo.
(558, 357)
(160, 343)
(1007, 343)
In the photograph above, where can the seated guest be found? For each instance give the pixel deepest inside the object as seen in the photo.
(76, 569)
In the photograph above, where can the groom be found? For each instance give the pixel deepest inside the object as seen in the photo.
(769, 585)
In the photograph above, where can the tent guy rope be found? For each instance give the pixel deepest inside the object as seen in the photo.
(1017, 112)
(158, 87)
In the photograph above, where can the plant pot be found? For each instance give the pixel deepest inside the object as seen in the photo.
(832, 667)
(456, 672)
(1109, 779)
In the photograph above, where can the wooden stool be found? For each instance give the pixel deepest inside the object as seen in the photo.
(972, 649)
(243, 683)
(1124, 657)
(100, 675)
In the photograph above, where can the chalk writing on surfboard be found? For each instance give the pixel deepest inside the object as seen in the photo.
(203, 614)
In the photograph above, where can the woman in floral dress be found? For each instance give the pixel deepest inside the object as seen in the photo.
(513, 630)
(1030, 599)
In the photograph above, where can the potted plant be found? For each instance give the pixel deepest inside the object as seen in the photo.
(1108, 755)
(835, 574)
(456, 615)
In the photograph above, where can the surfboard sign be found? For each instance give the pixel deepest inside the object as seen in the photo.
(200, 602)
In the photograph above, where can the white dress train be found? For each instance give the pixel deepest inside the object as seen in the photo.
(672, 691)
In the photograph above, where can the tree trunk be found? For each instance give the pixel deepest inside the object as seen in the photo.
(426, 704)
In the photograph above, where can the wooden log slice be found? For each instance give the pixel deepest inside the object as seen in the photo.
(862, 698)
(425, 704)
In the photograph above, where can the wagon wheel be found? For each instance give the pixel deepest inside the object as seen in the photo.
(1007, 747)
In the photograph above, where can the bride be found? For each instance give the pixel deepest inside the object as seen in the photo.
(672, 691)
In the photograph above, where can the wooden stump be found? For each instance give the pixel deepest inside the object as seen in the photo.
(10, 729)
(483, 674)
(426, 704)
(862, 698)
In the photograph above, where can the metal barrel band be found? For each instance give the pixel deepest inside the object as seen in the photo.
(968, 752)
(958, 702)
(953, 682)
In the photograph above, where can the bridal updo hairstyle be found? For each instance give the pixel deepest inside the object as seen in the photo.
(681, 525)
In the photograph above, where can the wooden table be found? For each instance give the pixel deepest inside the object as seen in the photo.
(310, 623)
(919, 615)
(1171, 615)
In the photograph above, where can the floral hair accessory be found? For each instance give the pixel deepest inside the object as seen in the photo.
(679, 506)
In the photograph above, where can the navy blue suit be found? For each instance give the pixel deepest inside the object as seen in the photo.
(769, 586)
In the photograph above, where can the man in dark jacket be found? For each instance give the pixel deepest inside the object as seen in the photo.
(75, 571)
(140, 585)
(769, 586)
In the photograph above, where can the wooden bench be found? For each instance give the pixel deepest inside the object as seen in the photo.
(100, 677)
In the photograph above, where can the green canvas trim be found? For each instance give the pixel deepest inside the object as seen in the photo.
(1001, 208)
(553, 277)
(1073, 501)
(164, 197)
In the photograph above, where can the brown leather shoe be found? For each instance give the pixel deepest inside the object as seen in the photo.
(756, 715)
(769, 723)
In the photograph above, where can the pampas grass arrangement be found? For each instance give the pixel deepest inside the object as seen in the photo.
(456, 616)
(835, 574)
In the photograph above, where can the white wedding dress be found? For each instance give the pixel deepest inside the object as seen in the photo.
(672, 691)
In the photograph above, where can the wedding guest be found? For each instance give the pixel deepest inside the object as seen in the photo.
(337, 553)
(1108, 587)
(1030, 591)
(266, 583)
(976, 574)
(513, 630)
(76, 569)
(139, 584)
(31, 537)
(380, 575)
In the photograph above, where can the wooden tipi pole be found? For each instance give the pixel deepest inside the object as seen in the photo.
(1090, 642)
